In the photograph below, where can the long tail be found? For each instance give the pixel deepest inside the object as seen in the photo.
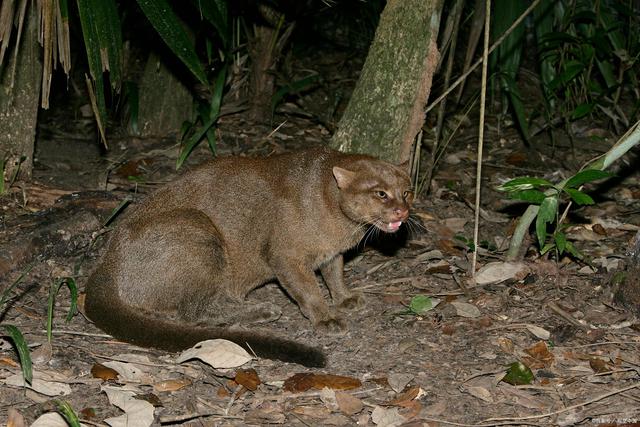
(104, 307)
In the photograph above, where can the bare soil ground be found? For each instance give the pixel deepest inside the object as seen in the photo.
(443, 367)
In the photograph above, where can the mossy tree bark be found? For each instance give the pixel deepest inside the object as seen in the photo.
(386, 110)
(20, 85)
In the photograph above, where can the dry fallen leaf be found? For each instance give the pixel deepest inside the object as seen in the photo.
(221, 354)
(129, 372)
(105, 373)
(539, 332)
(348, 404)
(598, 365)
(540, 358)
(318, 412)
(248, 378)
(497, 272)
(305, 381)
(138, 412)
(403, 398)
(480, 392)
(50, 419)
(48, 388)
(399, 381)
(387, 417)
(15, 418)
(171, 385)
(464, 309)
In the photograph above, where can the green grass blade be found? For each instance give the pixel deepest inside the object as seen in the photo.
(210, 116)
(23, 351)
(168, 26)
(6, 292)
(67, 412)
(53, 292)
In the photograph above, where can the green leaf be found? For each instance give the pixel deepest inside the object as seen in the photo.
(574, 251)
(531, 196)
(584, 176)
(293, 87)
(109, 32)
(67, 412)
(546, 214)
(608, 71)
(23, 351)
(511, 87)
(421, 304)
(524, 183)
(582, 110)
(88, 20)
(570, 71)
(209, 120)
(53, 291)
(561, 241)
(546, 248)
(215, 11)
(168, 26)
(579, 197)
(518, 374)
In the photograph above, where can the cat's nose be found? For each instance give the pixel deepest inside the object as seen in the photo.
(401, 213)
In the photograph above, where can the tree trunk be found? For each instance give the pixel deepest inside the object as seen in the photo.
(19, 98)
(386, 110)
(165, 102)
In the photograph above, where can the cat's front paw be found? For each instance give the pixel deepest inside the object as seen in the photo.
(331, 326)
(353, 302)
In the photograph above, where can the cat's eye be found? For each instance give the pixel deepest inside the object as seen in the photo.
(382, 195)
(407, 194)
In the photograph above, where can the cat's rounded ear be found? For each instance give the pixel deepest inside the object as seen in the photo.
(343, 177)
(404, 165)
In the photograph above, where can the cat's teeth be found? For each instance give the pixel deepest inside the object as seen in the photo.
(394, 225)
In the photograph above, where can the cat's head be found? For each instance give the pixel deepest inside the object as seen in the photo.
(374, 192)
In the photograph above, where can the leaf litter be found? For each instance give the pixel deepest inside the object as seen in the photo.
(444, 365)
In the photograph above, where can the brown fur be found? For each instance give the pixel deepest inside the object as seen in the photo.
(199, 245)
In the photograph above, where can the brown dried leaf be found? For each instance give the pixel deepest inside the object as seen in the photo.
(411, 409)
(104, 373)
(248, 378)
(171, 385)
(540, 358)
(506, 345)
(319, 412)
(406, 396)
(304, 381)
(599, 366)
(151, 398)
(15, 418)
(348, 404)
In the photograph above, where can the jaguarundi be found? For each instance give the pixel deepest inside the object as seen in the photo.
(177, 269)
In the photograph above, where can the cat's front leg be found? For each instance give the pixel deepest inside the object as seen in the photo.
(333, 275)
(301, 284)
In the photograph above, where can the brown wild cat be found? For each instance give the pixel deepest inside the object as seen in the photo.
(195, 248)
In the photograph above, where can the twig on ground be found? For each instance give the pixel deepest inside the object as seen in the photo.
(566, 316)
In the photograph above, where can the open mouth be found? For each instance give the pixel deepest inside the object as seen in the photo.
(391, 227)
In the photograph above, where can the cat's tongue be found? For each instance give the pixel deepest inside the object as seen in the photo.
(394, 226)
